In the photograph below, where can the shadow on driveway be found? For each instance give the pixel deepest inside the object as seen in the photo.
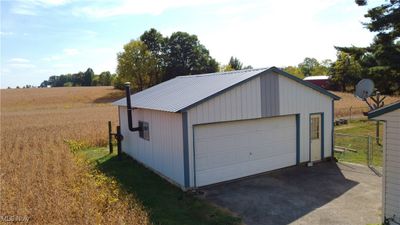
(288, 195)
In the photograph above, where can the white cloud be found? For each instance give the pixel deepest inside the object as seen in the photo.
(19, 60)
(62, 65)
(52, 58)
(67, 52)
(32, 7)
(274, 34)
(5, 71)
(50, 2)
(21, 65)
(6, 33)
(70, 51)
(138, 7)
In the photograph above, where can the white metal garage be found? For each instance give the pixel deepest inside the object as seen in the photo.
(230, 150)
(209, 128)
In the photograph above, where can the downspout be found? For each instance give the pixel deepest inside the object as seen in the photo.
(129, 108)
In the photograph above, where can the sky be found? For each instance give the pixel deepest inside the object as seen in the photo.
(40, 38)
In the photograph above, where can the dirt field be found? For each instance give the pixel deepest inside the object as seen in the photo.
(40, 178)
(351, 105)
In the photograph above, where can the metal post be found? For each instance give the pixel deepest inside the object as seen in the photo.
(350, 113)
(110, 146)
(377, 132)
(369, 150)
(119, 139)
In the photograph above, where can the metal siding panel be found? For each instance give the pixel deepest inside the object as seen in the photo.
(297, 139)
(332, 129)
(163, 153)
(392, 163)
(276, 91)
(185, 148)
(270, 94)
(242, 102)
(263, 95)
(322, 136)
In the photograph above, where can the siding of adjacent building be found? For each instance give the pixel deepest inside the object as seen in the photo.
(164, 151)
(391, 181)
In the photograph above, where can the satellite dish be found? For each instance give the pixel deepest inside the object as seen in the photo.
(364, 88)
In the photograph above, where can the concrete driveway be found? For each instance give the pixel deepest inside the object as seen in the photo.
(327, 193)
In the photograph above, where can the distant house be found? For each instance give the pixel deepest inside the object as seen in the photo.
(208, 128)
(321, 81)
(391, 160)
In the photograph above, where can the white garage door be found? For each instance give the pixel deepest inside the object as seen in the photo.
(230, 150)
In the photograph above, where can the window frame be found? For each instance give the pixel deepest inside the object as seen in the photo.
(315, 128)
(144, 131)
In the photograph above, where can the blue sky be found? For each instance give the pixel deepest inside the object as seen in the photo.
(40, 38)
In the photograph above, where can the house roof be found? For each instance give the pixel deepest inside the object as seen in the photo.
(320, 77)
(183, 92)
(383, 110)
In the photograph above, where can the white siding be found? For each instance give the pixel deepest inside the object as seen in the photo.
(296, 98)
(391, 181)
(164, 152)
(239, 103)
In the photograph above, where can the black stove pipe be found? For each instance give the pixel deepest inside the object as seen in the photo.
(129, 108)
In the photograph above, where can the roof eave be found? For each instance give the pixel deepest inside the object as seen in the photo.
(386, 109)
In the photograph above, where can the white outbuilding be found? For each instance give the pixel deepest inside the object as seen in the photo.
(391, 160)
(204, 129)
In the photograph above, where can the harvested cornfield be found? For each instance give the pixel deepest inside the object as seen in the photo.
(40, 178)
(349, 105)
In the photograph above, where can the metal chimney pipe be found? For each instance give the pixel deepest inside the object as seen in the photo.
(129, 107)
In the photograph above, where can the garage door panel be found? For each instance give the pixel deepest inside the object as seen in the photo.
(231, 150)
(220, 159)
(243, 169)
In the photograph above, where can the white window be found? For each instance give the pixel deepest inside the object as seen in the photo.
(314, 128)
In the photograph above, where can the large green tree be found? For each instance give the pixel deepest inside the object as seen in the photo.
(184, 55)
(155, 43)
(345, 71)
(105, 78)
(137, 65)
(235, 63)
(308, 65)
(380, 61)
(294, 70)
(88, 77)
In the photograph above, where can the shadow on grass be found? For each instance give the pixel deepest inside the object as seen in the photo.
(166, 203)
(110, 97)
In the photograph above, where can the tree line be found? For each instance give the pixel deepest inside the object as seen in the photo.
(154, 58)
(380, 61)
(87, 78)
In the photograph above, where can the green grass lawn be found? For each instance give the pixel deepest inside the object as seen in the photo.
(165, 203)
(358, 130)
